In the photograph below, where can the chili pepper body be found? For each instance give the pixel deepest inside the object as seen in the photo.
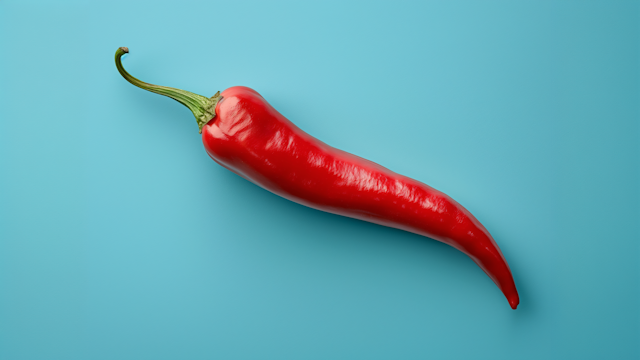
(249, 137)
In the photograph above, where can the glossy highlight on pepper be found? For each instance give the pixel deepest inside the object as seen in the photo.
(242, 132)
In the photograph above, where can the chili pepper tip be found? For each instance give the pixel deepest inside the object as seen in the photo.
(514, 301)
(125, 49)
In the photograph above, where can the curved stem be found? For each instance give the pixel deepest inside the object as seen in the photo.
(203, 108)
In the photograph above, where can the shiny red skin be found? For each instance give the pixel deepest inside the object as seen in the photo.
(249, 137)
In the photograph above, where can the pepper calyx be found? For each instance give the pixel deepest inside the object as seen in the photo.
(209, 112)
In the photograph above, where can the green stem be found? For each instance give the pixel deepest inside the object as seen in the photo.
(204, 109)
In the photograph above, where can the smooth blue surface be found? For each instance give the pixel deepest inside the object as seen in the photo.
(121, 239)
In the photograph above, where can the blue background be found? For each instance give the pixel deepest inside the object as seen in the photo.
(121, 239)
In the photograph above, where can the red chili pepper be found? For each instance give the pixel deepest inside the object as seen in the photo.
(246, 135)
